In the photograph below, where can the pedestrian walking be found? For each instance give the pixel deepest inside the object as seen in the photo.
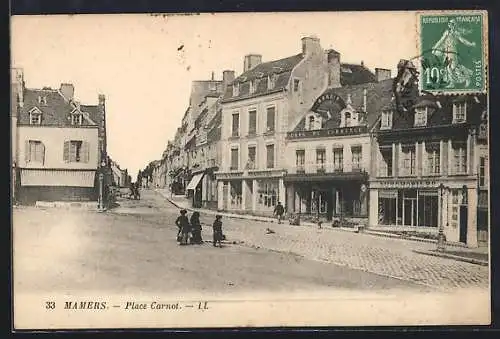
(217, 228)
(182, 223)
(279, 210)
(137, 194)
(196, 228)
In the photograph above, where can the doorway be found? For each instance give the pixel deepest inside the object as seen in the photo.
(463, 224)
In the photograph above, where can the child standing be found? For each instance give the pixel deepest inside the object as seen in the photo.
(217, 227)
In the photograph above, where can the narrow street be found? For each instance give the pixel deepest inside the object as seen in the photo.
(132, 249)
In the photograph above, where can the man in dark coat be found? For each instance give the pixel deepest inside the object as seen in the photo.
(182, 223)
(279, 210)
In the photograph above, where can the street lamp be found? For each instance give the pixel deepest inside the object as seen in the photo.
(440, 244)
(100, 204)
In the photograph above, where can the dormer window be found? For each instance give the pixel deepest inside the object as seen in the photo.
(236, 89)
(386, 122)
(42, 100)
(347, 119)
(459, 112)
(76, 119)
(252, 86)
(420, 116)
(271, 81)
(313, 122)
(35, 117)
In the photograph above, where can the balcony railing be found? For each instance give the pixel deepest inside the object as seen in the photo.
(327, 168)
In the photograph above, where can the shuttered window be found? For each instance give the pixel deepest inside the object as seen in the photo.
(35, 151)
(76, 151)
(271, 111)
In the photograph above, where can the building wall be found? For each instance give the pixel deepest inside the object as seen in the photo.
(53, 138)
(261, 139)
(310, 146)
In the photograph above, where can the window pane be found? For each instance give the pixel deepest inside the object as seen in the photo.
(270, 156)
(252, 122)
(234, 158)
(270, 119)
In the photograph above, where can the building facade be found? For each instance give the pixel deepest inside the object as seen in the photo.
(257, 110)
(429, 168)
(329, 151)
(58, 147)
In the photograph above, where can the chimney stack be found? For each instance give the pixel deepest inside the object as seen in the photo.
(227, 78)
(382, 74)
(251, 60)
(362, 63)
(102, 99)
(310, 46)
(213, 76)
(333, 64)
(68, 91)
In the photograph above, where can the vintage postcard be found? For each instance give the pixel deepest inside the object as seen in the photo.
(250, 170)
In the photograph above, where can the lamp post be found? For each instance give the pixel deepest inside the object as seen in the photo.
(440, 244)
(100, 204)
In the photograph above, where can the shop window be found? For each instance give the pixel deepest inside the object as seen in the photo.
(318, 200)
(428, 209)
(236, 196)
(387, 208)
(268, 194)
(408, 160)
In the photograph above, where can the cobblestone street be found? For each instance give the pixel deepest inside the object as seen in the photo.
(383, 256)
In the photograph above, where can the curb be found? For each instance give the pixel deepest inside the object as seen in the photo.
(343, 229)
(453, 257)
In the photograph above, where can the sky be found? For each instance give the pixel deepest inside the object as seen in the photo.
(135, 61)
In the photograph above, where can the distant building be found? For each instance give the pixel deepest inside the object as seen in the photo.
(120, 176)
(59, 148)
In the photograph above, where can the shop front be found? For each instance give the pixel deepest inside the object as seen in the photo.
(328, 196)
(252, 192)
(425, 206)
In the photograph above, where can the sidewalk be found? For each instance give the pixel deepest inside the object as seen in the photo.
(181, 201)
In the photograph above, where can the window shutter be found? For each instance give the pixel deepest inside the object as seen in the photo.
(444, 156)
(27, 151)
(42, 151)
(85, 152)
(66, 151)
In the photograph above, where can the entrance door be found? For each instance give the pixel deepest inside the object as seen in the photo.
(463, 224)
(225, 196)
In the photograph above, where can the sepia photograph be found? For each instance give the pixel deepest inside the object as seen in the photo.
(224, 170)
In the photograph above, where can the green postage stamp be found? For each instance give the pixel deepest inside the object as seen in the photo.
(453, 51)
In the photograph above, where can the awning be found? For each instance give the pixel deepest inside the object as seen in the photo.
(33, 177)
(194, 181)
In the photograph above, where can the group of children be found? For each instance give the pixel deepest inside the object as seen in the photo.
(193, 227)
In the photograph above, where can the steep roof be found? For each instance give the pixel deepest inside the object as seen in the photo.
(352, 74)
(281, 68)
(55, 112)
(378, 95)
(441, 111)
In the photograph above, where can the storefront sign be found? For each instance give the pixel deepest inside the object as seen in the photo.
(409, 183)
(332, 97)
(328, 132)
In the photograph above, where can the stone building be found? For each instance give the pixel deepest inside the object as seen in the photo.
(328, 152)
(60, 145)
(429, 167)
(259, 109)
